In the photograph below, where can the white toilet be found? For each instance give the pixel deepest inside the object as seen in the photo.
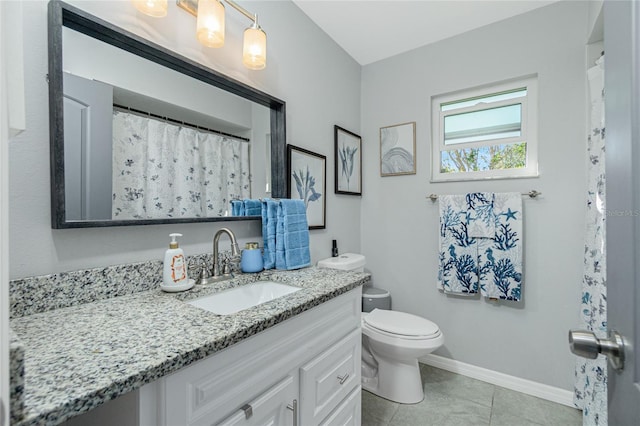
(392, 341)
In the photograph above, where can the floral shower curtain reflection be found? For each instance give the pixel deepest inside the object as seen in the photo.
(165, 170)
(590, 392)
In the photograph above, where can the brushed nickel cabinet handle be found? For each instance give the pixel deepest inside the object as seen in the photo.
(294, 407)
(343, 378)
(248, 411)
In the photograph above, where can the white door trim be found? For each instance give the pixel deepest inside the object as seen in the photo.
(4, 228)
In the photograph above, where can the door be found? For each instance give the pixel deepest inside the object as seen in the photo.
(88, 122)
(4, 221)
(621, 33)
(622, 117)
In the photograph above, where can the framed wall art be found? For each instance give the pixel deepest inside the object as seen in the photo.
(307, 181)
(398, 149)
(348, 162)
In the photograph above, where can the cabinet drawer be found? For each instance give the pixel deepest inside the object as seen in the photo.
(269, 408)
(329, 378)
(348, 413)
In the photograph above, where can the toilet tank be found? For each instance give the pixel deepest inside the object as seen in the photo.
(373, 298)
(345, 262)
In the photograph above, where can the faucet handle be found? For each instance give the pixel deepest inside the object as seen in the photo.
(204, 273)
(226, 267)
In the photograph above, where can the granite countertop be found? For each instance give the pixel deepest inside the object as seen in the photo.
(78, 357)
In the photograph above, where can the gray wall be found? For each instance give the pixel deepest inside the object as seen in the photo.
(321, 87)
(399, 226)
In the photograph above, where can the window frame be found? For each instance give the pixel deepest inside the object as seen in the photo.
(528, 128)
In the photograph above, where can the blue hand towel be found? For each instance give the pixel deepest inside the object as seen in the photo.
(252, 207)
(237, 208)
(269, 220)
(292, 235)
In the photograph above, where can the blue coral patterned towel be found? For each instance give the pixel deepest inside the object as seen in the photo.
(492, 259)
(480, 217)
(252, 207)
(292, 235)
(269, 220)
(500, 259)
(458, 270)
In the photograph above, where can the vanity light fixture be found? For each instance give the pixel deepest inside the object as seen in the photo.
(210, 26)
(210, 16)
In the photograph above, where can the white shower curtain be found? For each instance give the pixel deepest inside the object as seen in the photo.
(165, 170)
(590, 392)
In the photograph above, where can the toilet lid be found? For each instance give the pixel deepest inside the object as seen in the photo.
(400, 323)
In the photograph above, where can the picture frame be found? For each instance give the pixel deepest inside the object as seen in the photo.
(307, 180)
(398, 149)
(348, 162)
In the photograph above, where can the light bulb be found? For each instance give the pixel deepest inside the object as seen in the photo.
(155, 8)
(254, 51)
(210, 26)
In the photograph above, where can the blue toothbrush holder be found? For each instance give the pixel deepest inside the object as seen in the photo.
(251, 259)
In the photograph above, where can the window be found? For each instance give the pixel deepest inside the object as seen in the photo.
(486, 133)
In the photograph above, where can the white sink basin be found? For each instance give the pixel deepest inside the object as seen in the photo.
(244, 297)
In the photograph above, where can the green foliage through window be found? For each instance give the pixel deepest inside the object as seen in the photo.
(493, 157)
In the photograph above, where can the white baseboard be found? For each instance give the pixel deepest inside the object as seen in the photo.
(550, 393)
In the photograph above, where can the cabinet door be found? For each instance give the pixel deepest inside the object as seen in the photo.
(327, 379)
(348, 413)
(275, 407)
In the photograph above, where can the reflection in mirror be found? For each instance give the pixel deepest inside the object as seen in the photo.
(139, 148)
(147, 143)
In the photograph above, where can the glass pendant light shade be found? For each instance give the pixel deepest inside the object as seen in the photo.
(155, 8)
(254, 52)
(210, 26)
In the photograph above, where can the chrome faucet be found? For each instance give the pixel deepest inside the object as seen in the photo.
(235, 252)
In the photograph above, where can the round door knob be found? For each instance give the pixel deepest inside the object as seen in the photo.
(586, 344)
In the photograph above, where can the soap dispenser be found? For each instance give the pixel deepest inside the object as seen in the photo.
(174, 276)
(251, 260)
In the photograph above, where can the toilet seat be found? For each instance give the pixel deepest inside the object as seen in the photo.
(400, 325)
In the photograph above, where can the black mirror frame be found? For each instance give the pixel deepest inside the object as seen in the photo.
(64, 15)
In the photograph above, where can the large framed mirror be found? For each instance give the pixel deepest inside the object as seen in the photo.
(141, 135)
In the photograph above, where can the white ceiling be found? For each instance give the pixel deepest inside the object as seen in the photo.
(371, 30)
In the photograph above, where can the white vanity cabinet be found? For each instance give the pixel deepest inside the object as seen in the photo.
(304, 371)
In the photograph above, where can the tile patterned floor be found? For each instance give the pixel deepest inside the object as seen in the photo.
(455, 400)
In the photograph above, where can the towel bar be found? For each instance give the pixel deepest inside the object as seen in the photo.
(532, 194)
